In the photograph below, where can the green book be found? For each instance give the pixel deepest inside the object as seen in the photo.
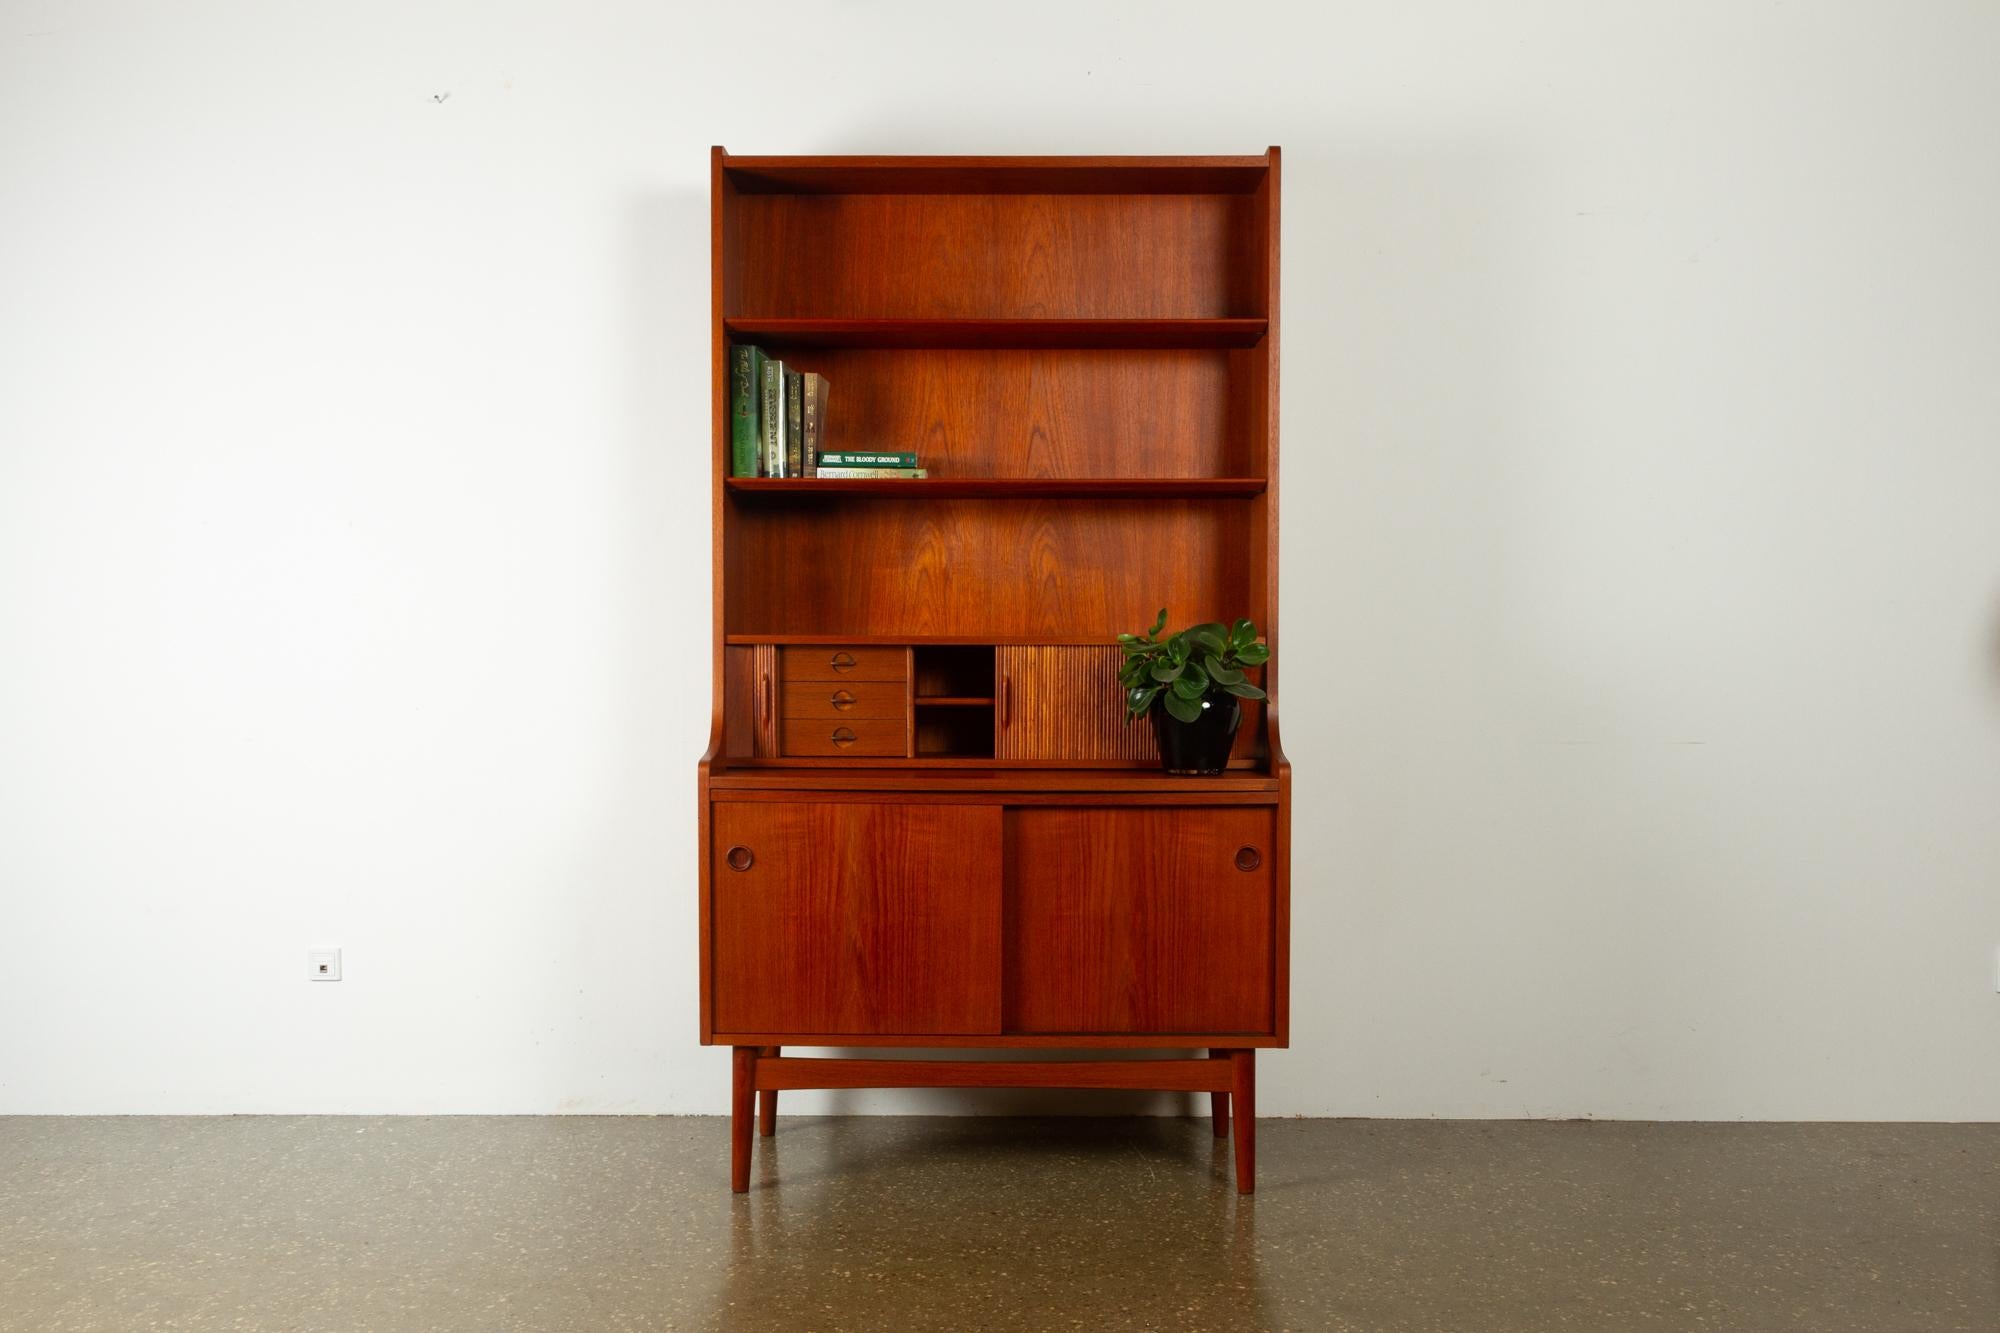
(815, 418)
(872, 473)
(772, 418)
(847, 458)
(795, 428)
(746, 389)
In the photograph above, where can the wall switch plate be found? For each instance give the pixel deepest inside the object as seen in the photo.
(323, 964)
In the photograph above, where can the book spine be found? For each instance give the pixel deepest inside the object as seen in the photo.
(849, 458)
(795, 429)
(815, 392)
(746, 389)
(773, 460)
(864, 473)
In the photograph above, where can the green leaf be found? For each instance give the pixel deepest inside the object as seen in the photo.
(1244, 691)
(1254, 654)
(1166, 672)
(1187, 710)
(1211, 636)
(1191, 685)
(1243, 632)
(1128, 638)
(1139, 700)
(1221, 674)
(1159, 624)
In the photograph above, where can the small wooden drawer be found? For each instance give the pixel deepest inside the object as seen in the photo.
(870, 736)
(815, 662)
(814, 700)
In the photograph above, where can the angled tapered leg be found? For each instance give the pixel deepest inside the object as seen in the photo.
(742, 1092)
(1243, 1091)
(767, 1101)
(1218, 1102)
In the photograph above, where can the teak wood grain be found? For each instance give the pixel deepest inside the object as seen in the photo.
(1084, 353)
(857, 918)
(1151, 1075)
(1138, 920)
(1056, 567)
(995, 256)
(790, 334)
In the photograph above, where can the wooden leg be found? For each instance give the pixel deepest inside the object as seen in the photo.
(1243, 1069)
(742, 1092)
(767, 1101)
(1218, 1102)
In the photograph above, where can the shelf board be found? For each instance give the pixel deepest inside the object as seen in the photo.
(1143, 334)
(996, 175)
(942, 775)
(955, 701)
(1005, 488)
(920, 640)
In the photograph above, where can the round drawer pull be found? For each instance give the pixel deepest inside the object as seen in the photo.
(844, 736)
(842, 662)
(842, 700)
(1248, 858)
(739, 858)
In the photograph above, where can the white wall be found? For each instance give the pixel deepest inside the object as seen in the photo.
(1642, 593)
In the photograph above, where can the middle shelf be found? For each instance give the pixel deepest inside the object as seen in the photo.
(1136, 334)
(1005, 488)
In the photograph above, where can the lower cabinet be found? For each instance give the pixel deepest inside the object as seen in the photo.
(856, 917)
(880, 919)
(1140, 919)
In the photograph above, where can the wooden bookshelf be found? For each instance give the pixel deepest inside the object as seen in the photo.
(918, 748)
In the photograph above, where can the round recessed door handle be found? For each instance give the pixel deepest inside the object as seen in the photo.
(1248, 858)
(842, 700)
(844, 737)
(842, 662)
(739, 858)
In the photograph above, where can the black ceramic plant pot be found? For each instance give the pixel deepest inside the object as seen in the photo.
(1201, 746)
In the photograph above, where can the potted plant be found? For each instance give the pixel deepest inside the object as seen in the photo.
(1189, 683)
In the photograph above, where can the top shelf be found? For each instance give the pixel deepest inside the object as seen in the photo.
(999, 333)
(996, 175)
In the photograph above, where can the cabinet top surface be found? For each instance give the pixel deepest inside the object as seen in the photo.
(864, 174)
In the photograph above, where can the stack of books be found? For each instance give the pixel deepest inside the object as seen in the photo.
(869, 465)
(777, 419)
(777, 416)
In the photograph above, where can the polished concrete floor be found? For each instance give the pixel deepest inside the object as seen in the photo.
(889, 1224)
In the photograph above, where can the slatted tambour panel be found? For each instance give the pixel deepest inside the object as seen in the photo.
(1063, 701)
(764, 660)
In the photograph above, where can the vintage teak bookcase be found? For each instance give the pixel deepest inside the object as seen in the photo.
(923, 820)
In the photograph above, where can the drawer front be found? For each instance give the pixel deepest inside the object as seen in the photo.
(868, 736)
(815, 662)
(831, 700)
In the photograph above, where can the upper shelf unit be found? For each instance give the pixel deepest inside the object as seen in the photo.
(1188, 334)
